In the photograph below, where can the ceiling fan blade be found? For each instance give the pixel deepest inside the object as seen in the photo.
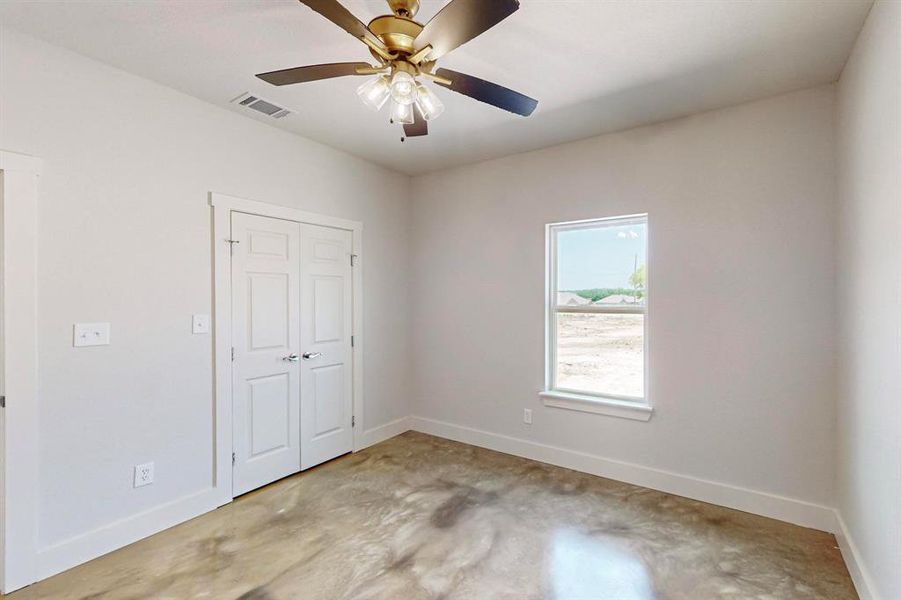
(335, 12)
(311, 73)
(419, 126)
(460, 21)
(487, 92)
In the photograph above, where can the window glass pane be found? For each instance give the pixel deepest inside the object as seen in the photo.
(600, 353)
(604, 265)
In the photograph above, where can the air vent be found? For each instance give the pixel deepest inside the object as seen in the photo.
(270, 109)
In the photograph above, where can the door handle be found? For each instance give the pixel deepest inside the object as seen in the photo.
(310, 355)
(291, 358)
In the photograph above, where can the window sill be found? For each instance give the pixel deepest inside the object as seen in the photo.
(597, 405)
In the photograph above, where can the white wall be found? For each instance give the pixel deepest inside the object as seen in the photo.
(124, 236)
(741, 344)
(869, 290)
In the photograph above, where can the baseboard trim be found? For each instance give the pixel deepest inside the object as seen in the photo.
(64, 555)
(856, 567)
(791, 510)
(77, 550)
(87, 546)
(384, 432)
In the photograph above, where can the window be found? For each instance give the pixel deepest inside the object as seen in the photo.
(597, 316)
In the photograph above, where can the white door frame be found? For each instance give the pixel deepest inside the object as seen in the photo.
(19, 177)
(223, 206)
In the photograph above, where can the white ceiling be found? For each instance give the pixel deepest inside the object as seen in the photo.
(594, 66)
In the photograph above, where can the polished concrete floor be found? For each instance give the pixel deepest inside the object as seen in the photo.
(421, 517)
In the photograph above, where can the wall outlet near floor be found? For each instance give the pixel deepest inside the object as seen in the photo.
(143, 474)
(527, 416)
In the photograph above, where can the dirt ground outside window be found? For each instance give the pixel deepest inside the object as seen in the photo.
(601, 353)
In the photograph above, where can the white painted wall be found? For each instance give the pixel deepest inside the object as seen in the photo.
(124, 236)
(742, 344)
(869, 291)
(741, 205)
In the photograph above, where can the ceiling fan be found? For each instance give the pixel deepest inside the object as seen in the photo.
(406, 51)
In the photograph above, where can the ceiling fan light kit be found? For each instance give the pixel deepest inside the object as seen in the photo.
(406, 50)
(375, 92)
(429, 103)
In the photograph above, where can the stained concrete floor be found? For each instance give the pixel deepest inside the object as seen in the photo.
(422, 517)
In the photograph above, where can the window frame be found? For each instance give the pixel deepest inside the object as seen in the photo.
(601, 403)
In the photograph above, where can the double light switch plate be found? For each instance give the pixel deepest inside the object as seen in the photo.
(90, 334)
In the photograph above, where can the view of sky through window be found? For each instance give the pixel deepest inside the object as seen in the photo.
(605, 257)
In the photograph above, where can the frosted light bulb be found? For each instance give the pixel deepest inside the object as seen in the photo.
(374, 93)
(402, 113)
(403, 88)
(429, 104)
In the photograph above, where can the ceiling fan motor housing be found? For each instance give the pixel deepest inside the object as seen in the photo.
(396, 32)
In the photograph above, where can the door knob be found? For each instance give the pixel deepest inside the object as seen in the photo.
(309, 355)
(291, 358)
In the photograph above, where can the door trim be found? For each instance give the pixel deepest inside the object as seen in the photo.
(19, 181)
(222, 207)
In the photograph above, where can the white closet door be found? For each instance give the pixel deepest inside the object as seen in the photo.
(325, 331)
(266, 369)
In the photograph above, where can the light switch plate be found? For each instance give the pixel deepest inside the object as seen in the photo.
(200, 324)
(90, 334)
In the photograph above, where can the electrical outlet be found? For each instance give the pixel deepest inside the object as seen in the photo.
(143, 474)
(527, 416)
